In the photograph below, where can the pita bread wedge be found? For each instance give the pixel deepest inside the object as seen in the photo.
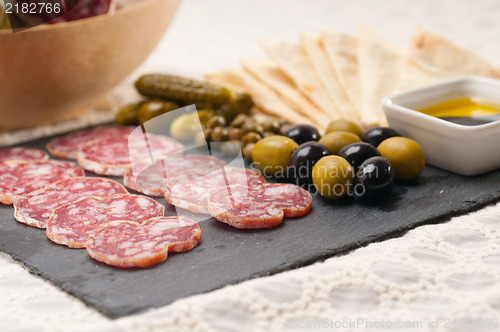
(297, 66)
(380, 64)
(266, 99)
(313, 48)
(268, 73)
(432, 57)
(342, 51)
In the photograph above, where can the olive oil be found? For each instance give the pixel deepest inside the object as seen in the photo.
(465, 111)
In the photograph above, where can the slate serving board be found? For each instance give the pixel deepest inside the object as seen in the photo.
(228, 256)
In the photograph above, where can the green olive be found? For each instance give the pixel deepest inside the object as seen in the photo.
(344, 125)
(153, 108)
(333, 177)
(200, 139)
(239, 120)
(128, 114)
(186, 126)
(247, 151)
(219, 134)
(336, 140)
(251, 138)
(405, 155)
(271, 154)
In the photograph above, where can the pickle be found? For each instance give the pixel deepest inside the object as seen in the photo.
(128, 114)
(182, 90)
(153, 108)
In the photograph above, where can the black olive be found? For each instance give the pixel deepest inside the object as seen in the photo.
(302, 162)
(376, 135)
(357, 153)
(375, 178)
(302, 133)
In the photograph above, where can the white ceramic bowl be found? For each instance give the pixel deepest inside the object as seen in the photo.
(466, 150)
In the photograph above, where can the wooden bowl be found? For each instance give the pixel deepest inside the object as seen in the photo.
(55, 72)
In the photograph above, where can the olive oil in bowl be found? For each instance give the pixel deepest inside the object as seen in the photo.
(471, 111)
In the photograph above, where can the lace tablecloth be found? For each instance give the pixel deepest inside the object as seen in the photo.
(436, 277)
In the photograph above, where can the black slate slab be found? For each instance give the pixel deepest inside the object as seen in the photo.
(228, 256)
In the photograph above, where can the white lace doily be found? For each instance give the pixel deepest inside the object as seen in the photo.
(437, 277)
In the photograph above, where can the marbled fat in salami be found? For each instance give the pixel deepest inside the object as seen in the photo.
(18, 178)
(114, 155)
(21, 153)
(71, 224)
(258, 207)
(131, 244)
(151, 178)
(190, 189)
(67, 146)
(35, 208)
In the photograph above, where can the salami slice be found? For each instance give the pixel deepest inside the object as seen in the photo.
(130, 244)
(21, 153)
(19, 178)
(113, 155)
(151, 179)
(258, 207)
(190, 189)
(67, 146)
(35, 208)
(71, 224)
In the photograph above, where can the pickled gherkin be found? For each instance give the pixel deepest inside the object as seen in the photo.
(182, 90)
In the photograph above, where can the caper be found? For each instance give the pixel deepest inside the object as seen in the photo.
(216, 121)
(251, 138)
(231, 148)
(219, 134)
(239, 120)
(249, 125)
(268, 133)
(208, 134)
(284, 129)
(247, 151)
(268, 124)
(235, 133)
(276, 127)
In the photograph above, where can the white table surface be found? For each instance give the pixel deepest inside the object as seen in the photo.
(432, 278)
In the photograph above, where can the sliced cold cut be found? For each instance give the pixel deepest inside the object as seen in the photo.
(131, 244)
(35, 208)
(19, 177)
(114, 155)
(21, 153)
(67, 146)
(190, 189)
(71, 224)
(151, 178)
(258, 207)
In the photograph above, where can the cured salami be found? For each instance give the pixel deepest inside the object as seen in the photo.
(190, 189)
(113, 155)
(71, 224)
(131, 244)
(67, 146)
(151, 178)
(258, 207)
(35, 208)
(21, 153)
(19, 178)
